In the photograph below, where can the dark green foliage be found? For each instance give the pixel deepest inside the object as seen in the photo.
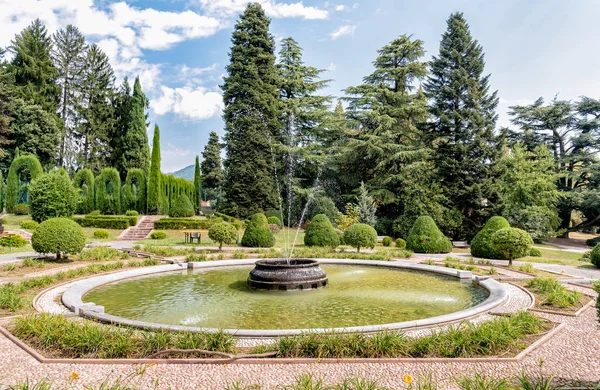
(257, 233)
(107, 191)
(425, 237)
(400, 243)
(512, 243)
(184, 223)
(387, 241)
(251, 116)
(321, 233)
(321, 204)
(13, 241)
(182, 208)
(595, 256)
(23, 168)
(21, 209)
(212, 170)
(273, 220)
(535, 252)
(29, 224)
(360, 235)
(158, 235)
(84, 182)
(134, 190)
(197, 187)
(155, 185)
(121, 103)
(53, 195)
(6, 83)
(104, 222)
(462, 129)
(58, 235)
(481, 245)
(592, 242)
(223, 233)
(101, 234)
(136, 153)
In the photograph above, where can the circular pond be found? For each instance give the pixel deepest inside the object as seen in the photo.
(356, 295)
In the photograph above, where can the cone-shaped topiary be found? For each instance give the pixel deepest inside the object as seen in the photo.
(360, 235)
(58, 235)
(512, 243)
(425, 237)
(257, 232)
(182, 207)
(481, 245)
(320, 232)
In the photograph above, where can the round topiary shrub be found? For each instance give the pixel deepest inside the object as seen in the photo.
(400, 243)
(15, 241)
(273, 220)
(223, 233)
(360, 235)
(425, 237)
(58, 235)
(535, 252)
(257, 233)
(182, 207)
(101, 234)
(321, 233)
(595, 256)
(387, 241)
(21, 209)
(512, 243)
(131, 213)
(29, 224)
(158, 235)
(53, 195)
(481, 244)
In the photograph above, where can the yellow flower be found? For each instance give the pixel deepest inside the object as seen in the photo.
(407, 379)
(74, 376)
(152, 364)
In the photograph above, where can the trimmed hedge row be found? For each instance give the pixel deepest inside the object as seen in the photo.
(106, 221)
(184, 223)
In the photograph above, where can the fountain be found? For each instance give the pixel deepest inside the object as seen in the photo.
(287, 274)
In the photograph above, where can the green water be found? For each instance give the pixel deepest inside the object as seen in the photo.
(219, 298)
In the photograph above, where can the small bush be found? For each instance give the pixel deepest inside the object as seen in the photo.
(273, 220)
(535, 252)
(387, 241)
(223, 233)
(21, 209)
(425, 237)
(400, 243)
(101, 234)
(592, 242)
(158, 235)
(53, 195)
(321, 233)
(481, 244)
(257, 233)
(58, 235)
(586, 256)
(360, 235)
(15, 241)
(182, 208)
(131, 213)
(102, 253)
(94, 213)
(595, 256)
(512, 243)
(29, 224)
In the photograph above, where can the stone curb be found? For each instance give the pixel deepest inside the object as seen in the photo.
(41, 359)
(576, 314)
(72, 299)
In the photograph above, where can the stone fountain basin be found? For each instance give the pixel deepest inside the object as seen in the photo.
(283, 274)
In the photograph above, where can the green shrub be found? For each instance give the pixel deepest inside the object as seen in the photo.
(58, 235)
(21, 209)
(29, 224)
(387, 241)
(481, 245)
(321, 233)
(102, 253)
(595, 256)
(183, 223)
(107, 191)
(273, 220)
(257, 233)
(104, 222)
(360, 235)
(400, 243)
(323, 205)
(425, 237)
(26, 167)
(182, 208)
(95, 213)
(158, 235)
(101, 234)
(15, 241)
(592, 242)
(554, 292)
(131, 213)
(223, 233)
(84, 183)
(535, 252)
(512, 243)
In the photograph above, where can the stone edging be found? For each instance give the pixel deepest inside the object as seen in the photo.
(72, 298)
(42, 359)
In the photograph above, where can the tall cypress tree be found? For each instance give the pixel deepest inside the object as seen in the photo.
(198, 186)
(6, 81)
(121, 103)
(155, 193)
(251, 115)
(211, 169)
(136, 153)
(464, 117)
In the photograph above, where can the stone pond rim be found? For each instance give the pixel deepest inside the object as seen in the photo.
(281, 274)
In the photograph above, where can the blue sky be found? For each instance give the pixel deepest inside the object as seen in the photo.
(179, 48)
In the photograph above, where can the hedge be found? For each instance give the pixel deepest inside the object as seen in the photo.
(257, 233)
(425, 237)
(106, 222)
(595, 257)
(182, 208)
(58, 235)
(134, 190)
(512, 243)
(28, 163)
(184, 223)
(84, 182)
(107, 190)
(481, 244)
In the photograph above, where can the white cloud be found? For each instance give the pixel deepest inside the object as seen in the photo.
(343, 30)
(189, 103)
(331, 67)
(340, 7)
(272, 8)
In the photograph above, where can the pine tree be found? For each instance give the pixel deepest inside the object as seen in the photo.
(212, 171)
(155, 193)
(136, 153)
(68, 55)
(251, 116)
(197, 186)
(121, 103)
(35, 75)
(94, 111)
(6, 82)
(366, 205)
(464, 117)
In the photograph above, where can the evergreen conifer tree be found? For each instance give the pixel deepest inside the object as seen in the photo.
(6, 81)
(212, 171)
(197, 186)
(121, 103)
(155, 193)
(136, 153)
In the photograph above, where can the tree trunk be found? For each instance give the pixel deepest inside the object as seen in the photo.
(565, 220)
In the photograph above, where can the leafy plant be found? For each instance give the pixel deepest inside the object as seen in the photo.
(15, 241)
(257, 233)
(360, 235)
(60, 236)
(29, 224)
(21, 209)
(182, 208)
(101, 234)
(387, 241)
(158, 235)
(512, 243)
(481, 244)
(425, 237)
(320, 233)
(223, 233)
